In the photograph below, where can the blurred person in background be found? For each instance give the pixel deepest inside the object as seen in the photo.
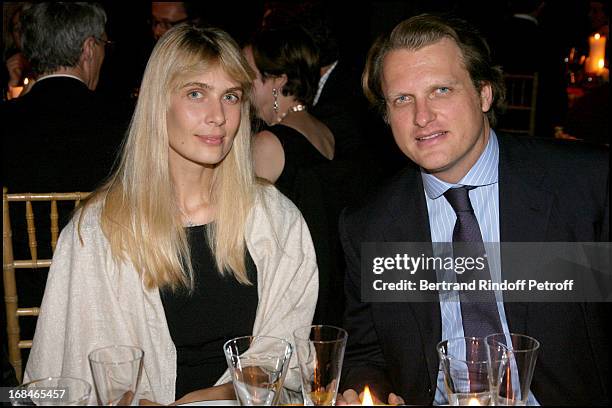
(61, 136)
(18, 68)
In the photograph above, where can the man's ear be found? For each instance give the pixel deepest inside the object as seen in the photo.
(89, 46)
(486, 96)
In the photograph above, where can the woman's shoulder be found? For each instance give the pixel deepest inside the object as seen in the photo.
(270, 199)
(85, 221)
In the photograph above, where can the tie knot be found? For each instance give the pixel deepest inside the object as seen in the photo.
(459, 199)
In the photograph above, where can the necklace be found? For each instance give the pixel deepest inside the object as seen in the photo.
(296, 108)
(187, 219)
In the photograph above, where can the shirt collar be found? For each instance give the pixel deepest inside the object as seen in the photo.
(322, 81)
(483, 172)
(527, 17)
(57, 76)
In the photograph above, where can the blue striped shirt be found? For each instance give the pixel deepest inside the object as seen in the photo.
(442, 217)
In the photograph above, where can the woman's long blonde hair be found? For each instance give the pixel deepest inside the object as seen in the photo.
(140, 215)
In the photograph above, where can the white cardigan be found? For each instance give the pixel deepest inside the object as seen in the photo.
(91, 301)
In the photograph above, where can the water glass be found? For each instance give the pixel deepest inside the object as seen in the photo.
(463, 361)
(320, 351)
(512, 359)
(116, 372)
(258, 365)
(51, 391)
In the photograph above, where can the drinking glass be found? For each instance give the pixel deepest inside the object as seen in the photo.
(512, 359)
(116, 373)
(258, 365)
(464, 363)
(320, 351)
(52, 391)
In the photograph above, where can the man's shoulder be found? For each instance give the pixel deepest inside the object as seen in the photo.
(555, 155)
(379, 202)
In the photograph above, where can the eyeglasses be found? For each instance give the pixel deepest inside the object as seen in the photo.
(108, 44)
(165, 24)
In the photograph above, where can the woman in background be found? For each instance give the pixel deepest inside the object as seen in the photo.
(294, 150)
(182, 249)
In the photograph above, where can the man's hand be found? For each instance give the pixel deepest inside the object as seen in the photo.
(350, 397)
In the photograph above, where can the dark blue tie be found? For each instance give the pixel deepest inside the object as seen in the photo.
(478, 308)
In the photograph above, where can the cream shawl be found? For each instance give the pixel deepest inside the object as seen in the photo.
(91, 301)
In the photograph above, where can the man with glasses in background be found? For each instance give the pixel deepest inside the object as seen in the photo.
(167, 14)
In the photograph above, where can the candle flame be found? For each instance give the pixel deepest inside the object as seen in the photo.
(367, 397)
(597, 36)
(601, 63)
(473, 402)
(25, 81)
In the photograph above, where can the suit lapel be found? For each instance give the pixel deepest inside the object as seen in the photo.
(409, 222)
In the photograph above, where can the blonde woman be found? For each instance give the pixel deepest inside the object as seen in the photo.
(182, 248)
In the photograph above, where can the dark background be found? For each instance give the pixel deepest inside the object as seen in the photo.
(356, 24)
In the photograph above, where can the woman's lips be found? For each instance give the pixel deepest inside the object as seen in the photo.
(211, 140)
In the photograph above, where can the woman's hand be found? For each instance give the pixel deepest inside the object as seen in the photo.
(219, 392)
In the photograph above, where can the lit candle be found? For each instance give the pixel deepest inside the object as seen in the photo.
(367, 398)
(473, 402)
(597, 54)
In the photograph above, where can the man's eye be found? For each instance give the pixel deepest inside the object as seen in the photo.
(402, 99)
(443, 90)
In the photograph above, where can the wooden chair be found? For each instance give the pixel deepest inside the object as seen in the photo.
(521, 98)
(13, 311)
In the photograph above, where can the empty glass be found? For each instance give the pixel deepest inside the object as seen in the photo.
(320, 351)
(116, 372)
(512, 359)
(463, 361)
(52, 391)
(258, 365)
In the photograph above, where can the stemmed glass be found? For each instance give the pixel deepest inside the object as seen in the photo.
(258, 365)
(320, 351)
(511, 361)
(116, 372)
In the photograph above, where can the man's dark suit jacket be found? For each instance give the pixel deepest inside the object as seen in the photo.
(59, 137)
(343, 110)
(547, 192)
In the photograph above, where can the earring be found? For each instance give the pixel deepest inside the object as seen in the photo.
(275, 104)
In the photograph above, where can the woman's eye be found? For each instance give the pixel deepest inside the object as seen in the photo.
(194, 94)
(231, 98)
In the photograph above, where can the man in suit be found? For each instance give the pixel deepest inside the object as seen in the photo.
(60, 136)
(434, 82)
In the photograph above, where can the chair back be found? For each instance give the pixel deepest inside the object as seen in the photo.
(30, 255)
(521, 97)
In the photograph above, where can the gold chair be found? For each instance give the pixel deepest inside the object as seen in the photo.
(521, 97)
(13, 311)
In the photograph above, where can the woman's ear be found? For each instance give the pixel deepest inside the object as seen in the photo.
(280, 81)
